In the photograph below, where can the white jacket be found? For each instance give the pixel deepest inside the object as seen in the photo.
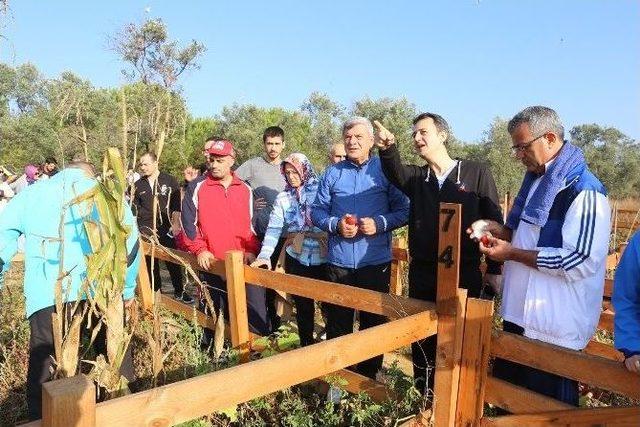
(560, 301)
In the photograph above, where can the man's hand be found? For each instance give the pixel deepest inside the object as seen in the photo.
(205, 259)
(345, 229)
(368, 226)
(261, 263)
(496, 249)
(501, 250)
(130, 303)
(249, 258)
(190, 173)
(382, 137)
(485, 226)
(633, 364)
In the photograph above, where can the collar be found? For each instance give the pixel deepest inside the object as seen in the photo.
(234, 180)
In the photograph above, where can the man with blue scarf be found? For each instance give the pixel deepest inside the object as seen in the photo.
(554, 245)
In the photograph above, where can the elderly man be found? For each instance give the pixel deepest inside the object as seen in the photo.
(359, 208)
(626, 301)
(442, 179)
(337, 153)
(60, 231)
(216, 216)
(554, 246)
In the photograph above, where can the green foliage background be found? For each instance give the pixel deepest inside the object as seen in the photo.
(40, 117)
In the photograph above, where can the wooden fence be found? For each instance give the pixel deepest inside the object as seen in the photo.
(466, 343)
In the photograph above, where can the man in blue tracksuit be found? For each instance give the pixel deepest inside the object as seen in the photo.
(626, 302)
(359, 208)
(37, 213)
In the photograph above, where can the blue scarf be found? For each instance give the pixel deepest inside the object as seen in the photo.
(570, 160)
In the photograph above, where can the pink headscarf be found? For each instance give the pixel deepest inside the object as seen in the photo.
(30, 171)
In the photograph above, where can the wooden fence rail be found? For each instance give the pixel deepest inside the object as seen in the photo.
(465, 345)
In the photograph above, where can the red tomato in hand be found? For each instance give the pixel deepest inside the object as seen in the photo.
(485, 240)
(351, 220)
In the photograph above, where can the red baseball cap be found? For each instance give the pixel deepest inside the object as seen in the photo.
(221, 147)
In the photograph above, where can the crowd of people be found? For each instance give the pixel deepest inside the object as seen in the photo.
(547, 260)
(13, 183)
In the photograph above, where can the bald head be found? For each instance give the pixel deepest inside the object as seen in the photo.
(337, 153)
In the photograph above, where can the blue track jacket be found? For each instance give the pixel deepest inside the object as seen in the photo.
(364, 191)
(626, 299)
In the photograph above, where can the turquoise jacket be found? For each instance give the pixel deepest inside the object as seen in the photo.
(36, 213)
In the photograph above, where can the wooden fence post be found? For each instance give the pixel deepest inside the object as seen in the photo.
(451, 306)
(397, 268)
(475, 361)
(69, 402)
(143, 289)
(237, 300)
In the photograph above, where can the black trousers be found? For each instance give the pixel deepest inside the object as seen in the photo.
(256, 302)
(175, 270)
(41, 352)
(423, 278)
(305, 309)
(340, 319)
(557, 387)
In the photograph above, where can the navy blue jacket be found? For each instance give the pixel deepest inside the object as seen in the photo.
(363, 191)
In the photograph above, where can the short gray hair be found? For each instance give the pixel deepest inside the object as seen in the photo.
(357, 120)
(540, 120)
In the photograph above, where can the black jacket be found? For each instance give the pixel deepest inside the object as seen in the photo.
(168, 191)
(469, 184)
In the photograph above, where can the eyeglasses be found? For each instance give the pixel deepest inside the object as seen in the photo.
(520, 148)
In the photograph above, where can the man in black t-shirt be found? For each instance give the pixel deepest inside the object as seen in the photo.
(163, 190)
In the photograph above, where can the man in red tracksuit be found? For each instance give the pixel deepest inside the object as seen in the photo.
(216, 216)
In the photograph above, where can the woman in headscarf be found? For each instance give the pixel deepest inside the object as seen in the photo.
(305, 250)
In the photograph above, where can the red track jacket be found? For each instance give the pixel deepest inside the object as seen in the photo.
(218, 219)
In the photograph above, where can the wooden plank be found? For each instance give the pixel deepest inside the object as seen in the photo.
(400, 254)
(173, 255)
(397, 268)
(600, 349)
(144, 288)
(518, 400)
(606, 320)
(196, 397)
(617, 416)
(385, 304)
(237, 300)
(356, 383)
(475, 361)
(447, 369)
(451, 307)
(69, 402)
(187, 311)
(593, 370)
(449, 257)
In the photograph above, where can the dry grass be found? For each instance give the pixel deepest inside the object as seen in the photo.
(14, 348)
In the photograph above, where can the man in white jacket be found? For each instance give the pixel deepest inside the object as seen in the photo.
(554, 245)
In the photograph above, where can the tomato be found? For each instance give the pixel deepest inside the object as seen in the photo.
(351, 220)
(485, 240)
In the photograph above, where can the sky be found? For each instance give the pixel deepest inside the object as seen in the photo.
(468, 60)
